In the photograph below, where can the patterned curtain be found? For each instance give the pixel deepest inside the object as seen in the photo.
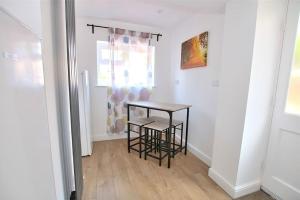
(132, 60)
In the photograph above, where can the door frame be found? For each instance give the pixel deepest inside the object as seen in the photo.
(73, 96)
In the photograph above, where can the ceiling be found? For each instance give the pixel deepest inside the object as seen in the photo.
(28, 13)
(159, 13)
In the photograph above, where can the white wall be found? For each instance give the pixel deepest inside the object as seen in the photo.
(251, 53)
(268, 38)
(239, 30)
(198, 86)
(87, 60)
(26, 168)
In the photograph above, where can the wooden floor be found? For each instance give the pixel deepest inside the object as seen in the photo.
(111, 173)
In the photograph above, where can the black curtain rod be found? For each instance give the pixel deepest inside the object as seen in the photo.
(97, 26)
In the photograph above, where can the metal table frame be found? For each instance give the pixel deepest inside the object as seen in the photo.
(170, 112)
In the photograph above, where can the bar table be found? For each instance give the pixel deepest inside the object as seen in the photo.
(166, 107)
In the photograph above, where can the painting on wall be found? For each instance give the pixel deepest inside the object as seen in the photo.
(194, 52)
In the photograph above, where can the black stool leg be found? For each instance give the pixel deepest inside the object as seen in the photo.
(140, 141)
(159, 148)
(151, 143)
(146, 143)
(155, 141)
(174, 142)
(128, 137)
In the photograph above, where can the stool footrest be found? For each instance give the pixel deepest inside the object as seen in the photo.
(142, 138)
(156, 157)
(137, 149)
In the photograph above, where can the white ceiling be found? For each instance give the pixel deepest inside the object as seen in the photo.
(28, 12)
(159, 13)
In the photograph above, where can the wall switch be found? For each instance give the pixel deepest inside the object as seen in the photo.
(10, 56)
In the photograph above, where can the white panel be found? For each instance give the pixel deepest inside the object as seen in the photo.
(288, 167)
(25, 154)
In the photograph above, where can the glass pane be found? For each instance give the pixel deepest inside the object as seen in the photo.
(103, 64)
(133, 64)
(293, 98)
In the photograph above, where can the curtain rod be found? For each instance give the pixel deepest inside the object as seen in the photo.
(97, 26)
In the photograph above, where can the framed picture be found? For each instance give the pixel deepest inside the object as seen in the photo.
(194, 52)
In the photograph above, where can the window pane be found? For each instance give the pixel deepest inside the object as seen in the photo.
(133, 64)
(293, 99)
(103, 64)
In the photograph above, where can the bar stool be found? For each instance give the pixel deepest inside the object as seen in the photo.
(176, 125)
(140, 122)
(159, 128)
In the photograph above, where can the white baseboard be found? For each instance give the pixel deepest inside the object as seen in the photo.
(248, 188)
(272, 194)
(103, 137)
(106, 136)
(198, 153)
(221, 181)
(234, 191)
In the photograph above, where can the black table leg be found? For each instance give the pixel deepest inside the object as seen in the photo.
(128, 128)
(169, 139)
(186, 129)
(181, 135)
(160, 133)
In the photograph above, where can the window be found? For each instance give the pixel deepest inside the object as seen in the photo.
(103, 64)
(293, 98)
(129, 64)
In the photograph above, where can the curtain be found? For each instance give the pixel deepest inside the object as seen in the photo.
(132, 60)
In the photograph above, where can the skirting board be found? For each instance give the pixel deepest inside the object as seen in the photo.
(199, 154)
(103, 137)
(273, 195)
(234, 191)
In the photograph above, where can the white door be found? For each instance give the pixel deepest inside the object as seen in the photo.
(282, 172)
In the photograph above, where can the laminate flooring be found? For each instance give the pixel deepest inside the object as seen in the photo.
(111, 173)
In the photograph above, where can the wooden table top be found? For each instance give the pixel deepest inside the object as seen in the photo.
(159, 105)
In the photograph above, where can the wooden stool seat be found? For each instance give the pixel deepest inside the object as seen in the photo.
(141, 121)
(158, 126)
(166, 120)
